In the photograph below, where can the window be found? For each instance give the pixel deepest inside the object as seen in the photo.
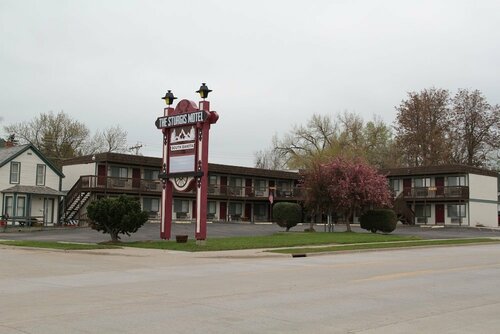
(260, 210)
(212, 180)
(235, 209)
(454, 181)
(20, 206)
(121, 172)
(422, 182)
(394, 184)
(212, 207)
(15, 171)
(40, 175)
(235, 186)
(422, 210)
(9, 205)
(151, 204)
(260, 185)
(235, 182)
(212, 184)
(456, 210)
(151, 174)
(181, 205)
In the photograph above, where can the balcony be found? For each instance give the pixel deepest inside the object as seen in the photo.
(436, 193)
(117, 184)
(153, 187)
(253, 192)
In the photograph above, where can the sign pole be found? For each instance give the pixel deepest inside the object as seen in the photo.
(185, 157)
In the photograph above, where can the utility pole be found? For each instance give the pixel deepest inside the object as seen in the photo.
(136, 147)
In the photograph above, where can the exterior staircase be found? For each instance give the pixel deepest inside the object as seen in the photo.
(76, 198)
(404, 213)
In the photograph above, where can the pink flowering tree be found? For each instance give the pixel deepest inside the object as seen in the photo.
(346, 186)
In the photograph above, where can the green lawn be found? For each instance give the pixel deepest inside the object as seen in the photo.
(327, 242)
(55, 245)
(384, 245)
(290, 239)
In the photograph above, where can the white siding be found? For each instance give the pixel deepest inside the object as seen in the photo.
(73, 173)
(483, 187)
(29, 160)
(484, 214)
(483, 197)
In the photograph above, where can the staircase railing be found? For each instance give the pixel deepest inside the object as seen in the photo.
(405, 214)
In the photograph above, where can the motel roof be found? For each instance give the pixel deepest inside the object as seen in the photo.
(438, 170)
(155, 162)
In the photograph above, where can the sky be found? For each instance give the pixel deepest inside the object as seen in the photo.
(271, 64)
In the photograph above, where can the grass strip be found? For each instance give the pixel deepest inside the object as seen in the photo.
(289, 239)
(384, 245)
(55, 245)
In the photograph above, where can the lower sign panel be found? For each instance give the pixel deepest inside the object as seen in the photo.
(182, 163)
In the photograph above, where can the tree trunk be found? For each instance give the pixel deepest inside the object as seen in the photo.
(114, 236)
(348, 222)
(313, 220)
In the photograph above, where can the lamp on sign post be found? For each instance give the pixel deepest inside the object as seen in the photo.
(203, 91)
(169, 98)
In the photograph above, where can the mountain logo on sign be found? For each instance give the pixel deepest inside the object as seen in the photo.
(182, 136)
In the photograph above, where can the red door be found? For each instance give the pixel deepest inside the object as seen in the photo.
(439, 214)
(223, 186)
(407, 187)
(439, 186)
(194, 215)
(248, 211)
(101, 175)
(136, 177)
(222, 210)
(248, 188)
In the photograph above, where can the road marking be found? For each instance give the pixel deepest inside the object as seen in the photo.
(407, 274)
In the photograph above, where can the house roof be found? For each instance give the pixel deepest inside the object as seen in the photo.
(154, 162)
(38, 190)
(8, 154)
(438, 170)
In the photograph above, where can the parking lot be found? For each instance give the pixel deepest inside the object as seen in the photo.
(216, 230)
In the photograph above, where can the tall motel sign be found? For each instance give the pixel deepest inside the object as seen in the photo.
(185, 131)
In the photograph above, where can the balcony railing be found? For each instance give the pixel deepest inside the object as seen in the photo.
(134, 185)
(451, 192)
(253, 192)
(89, 182)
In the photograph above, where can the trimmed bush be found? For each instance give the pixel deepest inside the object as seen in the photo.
(121, 215)
(384, 220)
(287, 214)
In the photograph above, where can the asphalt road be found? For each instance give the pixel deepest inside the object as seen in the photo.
(152, 232)
(430, 290)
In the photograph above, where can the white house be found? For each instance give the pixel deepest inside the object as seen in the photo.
(30, 186)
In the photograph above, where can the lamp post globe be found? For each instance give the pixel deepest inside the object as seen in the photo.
(203, 91)
(169, 97)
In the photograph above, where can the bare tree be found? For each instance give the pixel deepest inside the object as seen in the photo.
(112, 139)
(476, 128)
(269, 158)
(422, 128)
(58, 136)
(306, 142)
(324, 137)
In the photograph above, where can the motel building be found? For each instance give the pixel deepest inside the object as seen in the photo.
(434, 195)
(235, 194)
(445, 195)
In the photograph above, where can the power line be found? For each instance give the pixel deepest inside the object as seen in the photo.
(136, 147)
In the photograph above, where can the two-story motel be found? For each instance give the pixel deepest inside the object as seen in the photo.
(235, 193)
(448, 194)
(451, 194)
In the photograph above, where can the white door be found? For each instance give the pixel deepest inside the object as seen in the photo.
(48, 211)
